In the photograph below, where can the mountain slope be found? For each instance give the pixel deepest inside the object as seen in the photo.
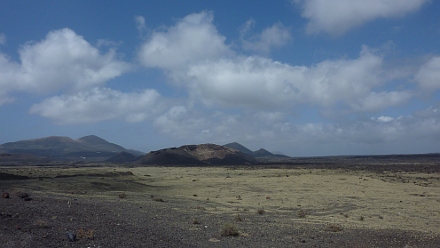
(204, 154)
(240, 147)
(97, 143)
(90, 148)
(262, 153)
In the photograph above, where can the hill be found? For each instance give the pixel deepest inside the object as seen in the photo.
(204, 154)
(88, 148)
(259, 154)
(263, 153)
(123, 157)
(240, 147)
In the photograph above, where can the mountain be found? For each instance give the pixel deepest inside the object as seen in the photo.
(89, 148)
(241, 148)
(261, 153)
(204, 154)
(123, 157)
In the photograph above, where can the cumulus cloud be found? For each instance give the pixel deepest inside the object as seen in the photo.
(62, 61)
(272, 37)
(192, 39)
(262, 83)
(428, 75)
(338, 16)
(195, 55)
(376, 101)
(99, 104)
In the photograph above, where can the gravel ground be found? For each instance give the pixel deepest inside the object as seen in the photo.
(42, 220)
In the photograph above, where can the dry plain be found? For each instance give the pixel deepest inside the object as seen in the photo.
(188, 207)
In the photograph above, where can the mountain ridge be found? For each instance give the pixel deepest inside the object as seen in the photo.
(89, 147)
(260, 153)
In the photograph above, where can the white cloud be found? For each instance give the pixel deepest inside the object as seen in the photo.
(272, 37)
(338, 16)
(404, 133)
(100, 104)
(62, 61)
(140, 23)
(377, 101)
(261, 83)
(193, 54)
(383, 118)
(428, 75)
(192, 39)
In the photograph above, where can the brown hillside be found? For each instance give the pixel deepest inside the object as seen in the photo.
(204, 154)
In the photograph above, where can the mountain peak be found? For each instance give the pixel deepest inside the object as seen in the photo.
(240, 147)
(93, 139)
(263, 153)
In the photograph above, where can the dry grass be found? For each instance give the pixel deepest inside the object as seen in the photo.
(333, 228)
(229, 230)
(85, 234)
(238, 217)
(41, 223)
(322, 192)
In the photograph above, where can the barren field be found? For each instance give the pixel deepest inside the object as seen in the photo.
(189, 207)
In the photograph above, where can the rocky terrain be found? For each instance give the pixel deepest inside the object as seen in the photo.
(344, 202)
(204, 154)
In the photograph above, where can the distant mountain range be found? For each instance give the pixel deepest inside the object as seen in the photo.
(95, 149)
(88, 148)
(256, 154)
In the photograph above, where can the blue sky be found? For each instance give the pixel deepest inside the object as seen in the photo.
(301, 77)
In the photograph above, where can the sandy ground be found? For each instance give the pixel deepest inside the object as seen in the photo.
(188, 206)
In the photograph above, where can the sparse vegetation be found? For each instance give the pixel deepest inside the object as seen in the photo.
(333, 228)
(331, 210)
(41, 223)
(238, 217)
(196, 221)
(302, 213)
(85, 233)
(229, 230)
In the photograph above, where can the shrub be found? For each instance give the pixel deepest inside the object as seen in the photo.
(229, 230)
(238, 217)
(85, 233)
(158, 199)
(41, 224)
(333, 228)
(196, 221)
(302, 213)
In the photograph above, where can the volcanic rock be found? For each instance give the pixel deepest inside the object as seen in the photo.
(204, 154)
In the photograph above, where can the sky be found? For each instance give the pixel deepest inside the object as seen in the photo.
(298, 77)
